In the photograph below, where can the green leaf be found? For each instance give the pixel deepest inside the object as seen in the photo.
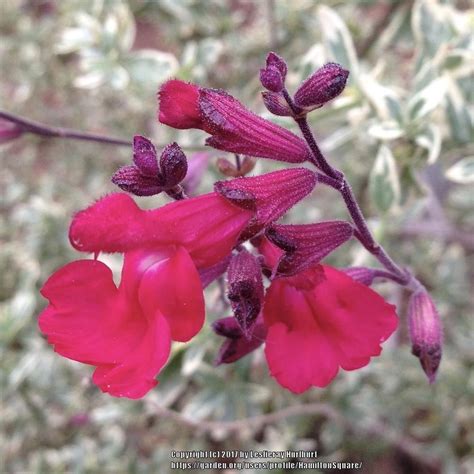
(384, 186)
(463, 171)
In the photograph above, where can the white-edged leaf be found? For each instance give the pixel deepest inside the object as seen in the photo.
(382, 98)
(389, 130)
(431, 25)
(74, 39)
(384, 185)
(431, 140)
(150, 67)
(463, 171)
(460, 121)
(337, 40)
(430, 97)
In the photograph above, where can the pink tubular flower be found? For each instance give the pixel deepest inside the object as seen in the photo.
(270, 195)
(313, 329)
(232, 126)
(126, 332)
(116, 224)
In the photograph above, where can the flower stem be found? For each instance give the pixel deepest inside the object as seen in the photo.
(337, 180)
(44, 130)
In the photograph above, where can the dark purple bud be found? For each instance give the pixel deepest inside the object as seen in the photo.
(245, 291)
(173, 165)
(271, 79)
(362, 275)
(306, 245)
(9, 131)
(197, 165)
(276, 104)
(209, 274)
(237, 346)
(426, 333)
(130, 179)
(276, 61)
(322, 86)
(144, 156)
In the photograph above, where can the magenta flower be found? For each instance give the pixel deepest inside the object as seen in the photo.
(319, 321)
(126, 331)
(232, 126)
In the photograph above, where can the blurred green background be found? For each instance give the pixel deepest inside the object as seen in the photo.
(402, 132)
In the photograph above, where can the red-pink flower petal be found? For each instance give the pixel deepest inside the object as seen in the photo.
(179, 105)
(206, 226)
(135, 376)
(173, 285)
(238, 130)
(339, 323)
(90, 321)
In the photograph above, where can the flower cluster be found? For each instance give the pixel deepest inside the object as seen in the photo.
(312, 318)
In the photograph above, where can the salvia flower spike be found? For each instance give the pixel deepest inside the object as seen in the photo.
(322, 86)
(245, 292)
(306, 245)
(426, 332)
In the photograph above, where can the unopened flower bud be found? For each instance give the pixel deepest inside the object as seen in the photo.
(276, 61)
(425, 332)
(144, 156)
(322, 86)
(9, 131)
(173, 165)
(130, 179)
(276, 104)
(271, 79)
(245, 289)
(305, 245)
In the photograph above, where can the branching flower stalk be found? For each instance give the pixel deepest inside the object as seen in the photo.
(313, 319)
(337, 180)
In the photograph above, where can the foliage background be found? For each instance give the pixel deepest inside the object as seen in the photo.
(402, 132)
